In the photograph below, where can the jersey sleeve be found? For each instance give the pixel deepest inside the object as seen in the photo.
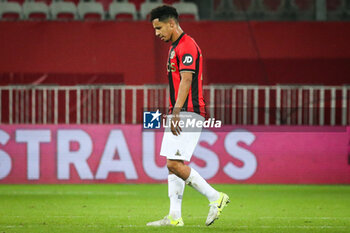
(187, 54)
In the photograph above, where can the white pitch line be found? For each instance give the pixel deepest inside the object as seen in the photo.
(193, 217)
(12, 226)
(316, 218)
(191, 226)
(57, 226)
(48, 216)
(266, 217)
(65, 193)
(258, 227)
(66, 216)
(302, 227)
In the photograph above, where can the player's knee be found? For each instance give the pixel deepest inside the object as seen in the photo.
(174, 165)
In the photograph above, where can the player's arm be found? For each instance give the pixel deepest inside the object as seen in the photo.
(184, 88)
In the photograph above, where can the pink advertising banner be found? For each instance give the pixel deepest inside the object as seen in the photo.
(127, 154)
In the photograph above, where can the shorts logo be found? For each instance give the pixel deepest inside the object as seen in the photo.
(178, 153)
(151, 120)
(187, 59)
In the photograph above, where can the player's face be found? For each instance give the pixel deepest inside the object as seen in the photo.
(164, 30)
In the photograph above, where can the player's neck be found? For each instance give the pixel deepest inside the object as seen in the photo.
(177, 33)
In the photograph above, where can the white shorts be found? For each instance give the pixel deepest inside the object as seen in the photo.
(181, 147)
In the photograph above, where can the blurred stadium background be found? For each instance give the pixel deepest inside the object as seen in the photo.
(76, 76)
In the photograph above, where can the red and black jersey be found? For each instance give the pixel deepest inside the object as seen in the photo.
(186, 56)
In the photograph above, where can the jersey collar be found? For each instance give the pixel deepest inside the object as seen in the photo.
(174, 44)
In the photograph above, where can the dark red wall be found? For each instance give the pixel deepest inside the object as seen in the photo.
(128, 52)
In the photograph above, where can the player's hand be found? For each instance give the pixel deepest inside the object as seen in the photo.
(174, 123)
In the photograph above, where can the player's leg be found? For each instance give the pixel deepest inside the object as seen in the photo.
(176, 187)
(216, 199)
(192, 178)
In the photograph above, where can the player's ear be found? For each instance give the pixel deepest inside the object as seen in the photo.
(172, 23)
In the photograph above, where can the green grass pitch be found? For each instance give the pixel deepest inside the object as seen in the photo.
(127, 208)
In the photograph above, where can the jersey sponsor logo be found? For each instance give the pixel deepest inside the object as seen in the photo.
(187, 60)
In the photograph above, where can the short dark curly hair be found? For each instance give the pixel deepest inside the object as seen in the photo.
(163, 13)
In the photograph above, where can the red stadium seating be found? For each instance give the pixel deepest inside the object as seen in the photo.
(304, 5)
(122, 11)
(65, 16)
(91, 11)
(10, 11)
(333, 5)
(105, 4)
(242, 5)
(10, 16)
(272, 5)
(76, 2)
(139, 2)
(273, 9)
(63, 11)
(47, 2)
(187, 11)
(18, 1)
(92, 17)
(303, 9)
(38, 16)
(35, 10)
(336, 9)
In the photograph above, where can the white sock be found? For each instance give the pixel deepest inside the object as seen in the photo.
(196, 181)
(176, 187)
